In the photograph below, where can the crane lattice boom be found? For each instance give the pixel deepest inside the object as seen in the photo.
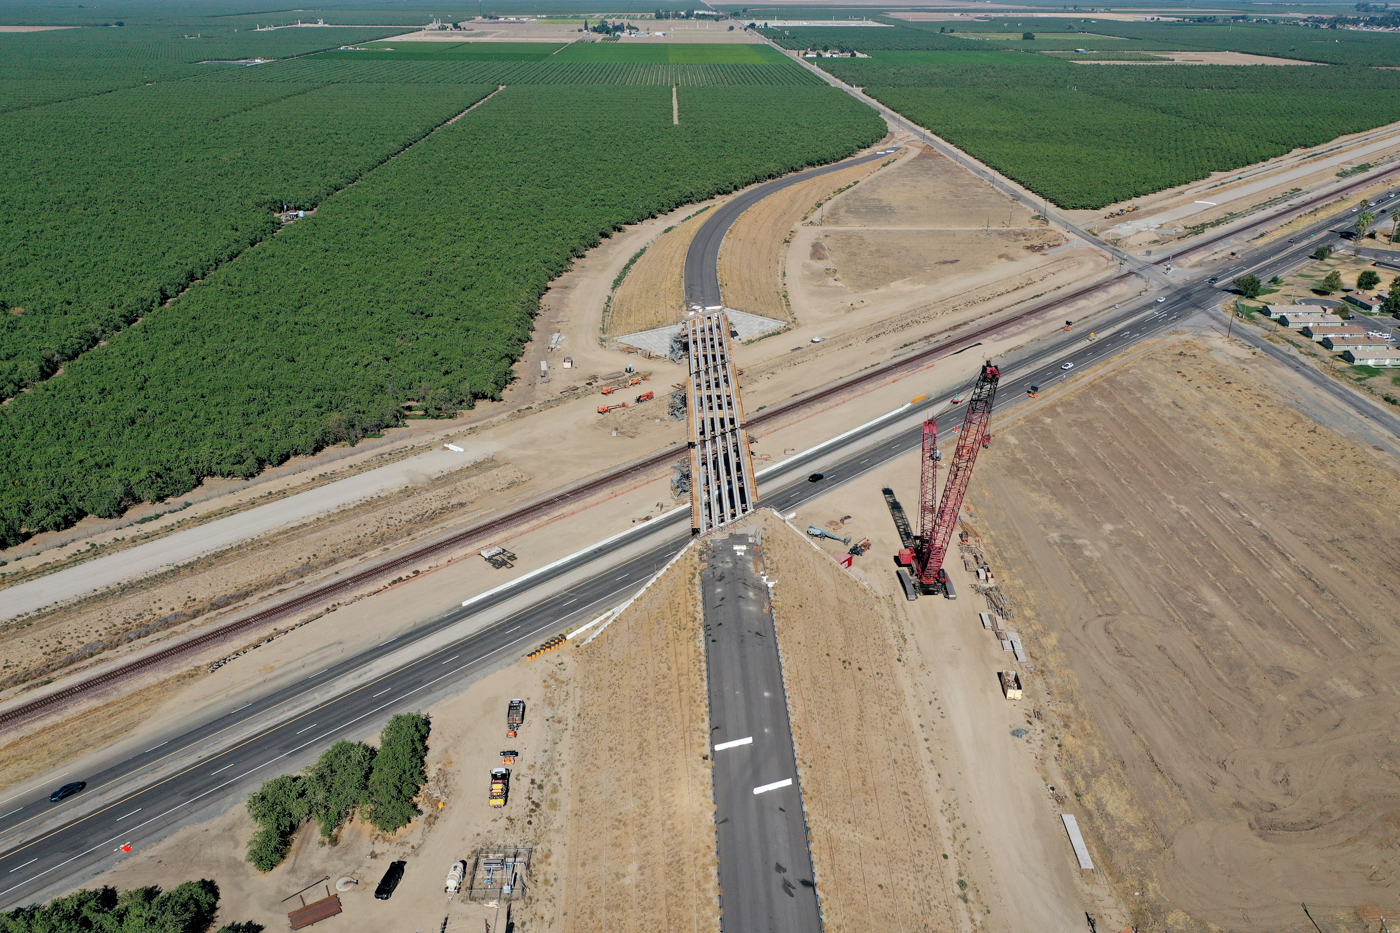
(938, 519)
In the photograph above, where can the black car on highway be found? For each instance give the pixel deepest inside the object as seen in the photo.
(390, 881)
(66, 791)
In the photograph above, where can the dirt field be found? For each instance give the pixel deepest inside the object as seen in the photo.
(867, 260)
(874, 826)
(1209, 578)
(926, 191)
(751, 272)
(653, 294)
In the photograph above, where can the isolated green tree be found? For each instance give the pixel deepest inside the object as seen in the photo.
(1322, 252)
(1367, 280)
(1028, 36)
(1333, 282)
(398, 772)
(278, 807)
(337, 784)
(1363, 220)
(1248, 285)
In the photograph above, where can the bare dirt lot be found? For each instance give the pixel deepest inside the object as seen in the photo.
(874, 826)
(926, 191)
(1210, 579)
(751, 271)
(866, 260)
(642, 834)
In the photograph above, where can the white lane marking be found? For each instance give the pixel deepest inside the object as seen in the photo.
(300, 731)
(509, 630)
(11, 813)
(243, 707)
(383, 643)
(1210, 203)
(154, 747)
(570, 602)
(734, 744)
(774, 786)
(18, 867)
(451, 659)
(381, 693)
(224, 768)
(132, 813)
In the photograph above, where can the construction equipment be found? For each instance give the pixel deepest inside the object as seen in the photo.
(1033, 391)
(515, 717)
(499, 557)
(604, 409)
(508, 757)
(938, 519)
(859, 548)
(816, 532)
(500, 787)
(454, 877)
(547, 646)
(609, 390)
(646, 397)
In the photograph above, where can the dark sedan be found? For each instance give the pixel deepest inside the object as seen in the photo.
(66, 791)
(390, 881)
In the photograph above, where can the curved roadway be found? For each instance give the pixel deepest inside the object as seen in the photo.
(44, 853)
(702, 258)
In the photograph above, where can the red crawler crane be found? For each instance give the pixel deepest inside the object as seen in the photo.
(938, 519)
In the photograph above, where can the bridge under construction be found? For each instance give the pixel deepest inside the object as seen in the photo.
(722, 485)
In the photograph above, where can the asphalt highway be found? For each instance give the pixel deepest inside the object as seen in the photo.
(146, 803)
(765, 865)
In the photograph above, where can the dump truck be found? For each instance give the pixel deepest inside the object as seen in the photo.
(500, 786)
(515, 717)
(455, 874)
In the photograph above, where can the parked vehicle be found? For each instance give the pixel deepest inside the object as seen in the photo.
(390, 881)
(455, 874)
(500, 787)
(515, 717)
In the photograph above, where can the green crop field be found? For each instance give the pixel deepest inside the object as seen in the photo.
(1086, 137)
(113, 204)
(417, 277)
(673, 53)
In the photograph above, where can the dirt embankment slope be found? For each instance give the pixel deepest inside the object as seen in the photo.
(1212, 578)
(876, 842)
(642, 833)
(751, 273)
(653, 292)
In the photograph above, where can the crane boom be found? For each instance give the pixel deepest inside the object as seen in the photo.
(938, 519)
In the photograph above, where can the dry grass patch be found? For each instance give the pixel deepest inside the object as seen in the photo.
(653, 293)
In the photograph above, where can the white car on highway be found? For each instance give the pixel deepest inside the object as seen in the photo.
(1067, 366)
